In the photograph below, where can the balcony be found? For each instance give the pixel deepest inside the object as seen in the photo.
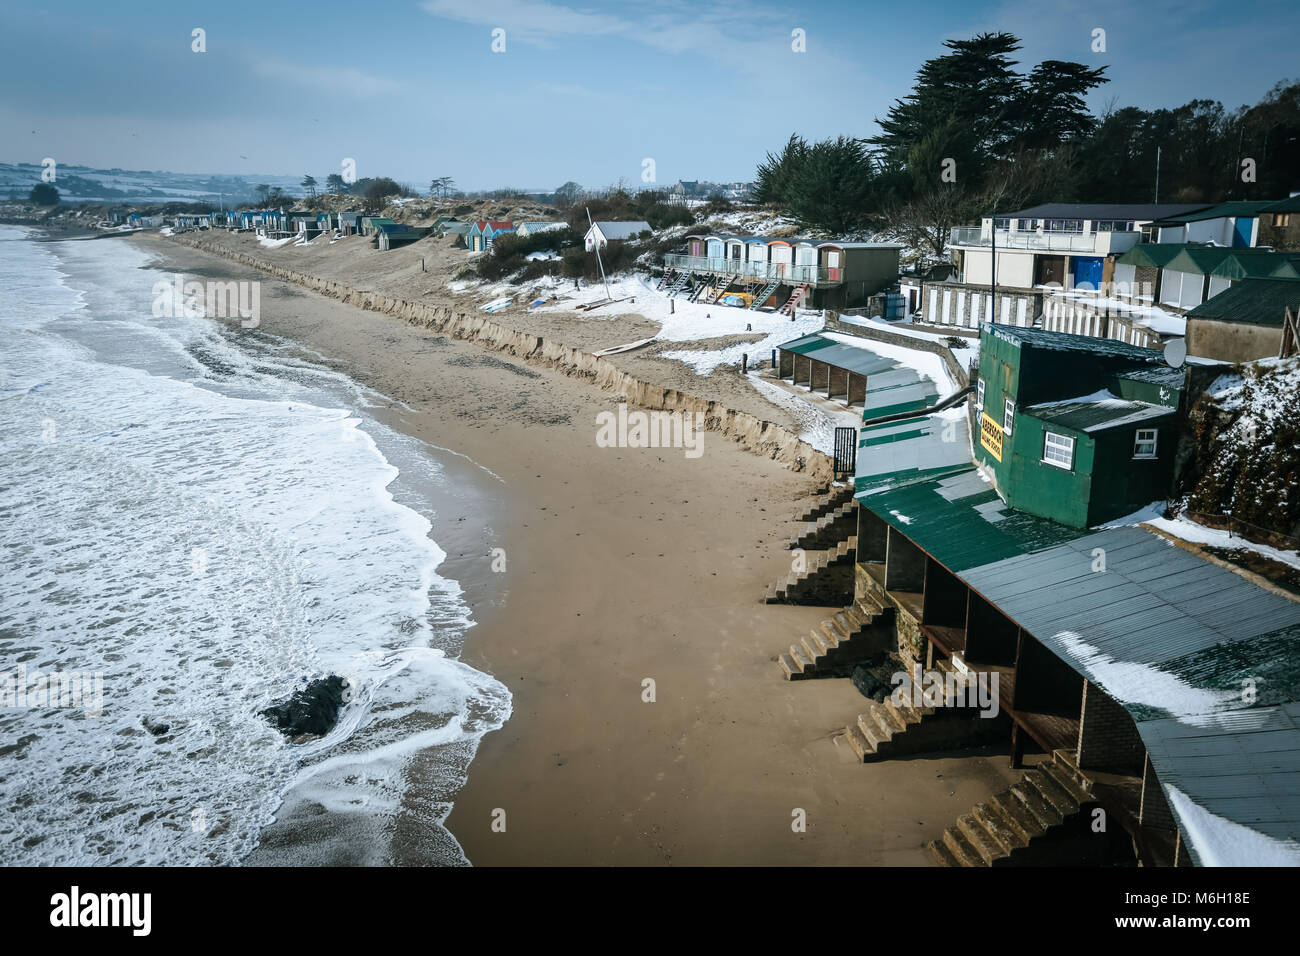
(756, 271)
(1086, 243)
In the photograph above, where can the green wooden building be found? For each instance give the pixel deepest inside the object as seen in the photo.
(1073, 428)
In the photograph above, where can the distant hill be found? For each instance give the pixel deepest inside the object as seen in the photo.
(80, 184)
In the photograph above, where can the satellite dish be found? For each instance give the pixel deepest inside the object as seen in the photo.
(1176, 352)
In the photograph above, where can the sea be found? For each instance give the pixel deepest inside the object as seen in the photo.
(198, 520)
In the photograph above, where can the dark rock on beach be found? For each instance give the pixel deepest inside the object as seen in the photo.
(312, 710)
(155, 726)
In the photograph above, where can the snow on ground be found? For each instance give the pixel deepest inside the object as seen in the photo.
(275, 243)
(815, 423)
(682, 321)
(1223, 842)
(965, 354)
(1189, 530)
(1152, 316)
(1150, 513)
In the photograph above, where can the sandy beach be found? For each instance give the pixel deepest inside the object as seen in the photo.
(623, 566)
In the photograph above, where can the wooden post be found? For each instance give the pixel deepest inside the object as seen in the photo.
(744, 363)
(1017, 747)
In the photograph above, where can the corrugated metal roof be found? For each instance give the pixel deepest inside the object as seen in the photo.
(959, 519)
(1163, 375)
(912, 449)
(623, 229)
(1258, 263)
(1249, 776)
(860, 360)
(1152, 255)
(1198, 260)
(1067, 342)
(1094, 415)
(1254, 301)
(1172, 638)
(1152, 603)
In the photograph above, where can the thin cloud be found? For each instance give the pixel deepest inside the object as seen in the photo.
(744, 39)
(347, 81)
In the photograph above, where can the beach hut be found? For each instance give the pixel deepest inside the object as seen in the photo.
(602, 233)
(482, 234)
(533, 228)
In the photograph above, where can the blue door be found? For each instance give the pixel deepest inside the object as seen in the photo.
(1086, 272)
(1241, 232)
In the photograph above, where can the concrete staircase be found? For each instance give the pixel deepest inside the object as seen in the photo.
(829, 529)
(1023, 825)
(828, 502)
(853, 634)
(827, 578)
(887, 729)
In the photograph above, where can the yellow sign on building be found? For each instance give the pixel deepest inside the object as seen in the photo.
(991, 435)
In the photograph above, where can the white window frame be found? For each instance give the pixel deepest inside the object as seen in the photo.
(1008, 415)
(979, 394)
(1061, 441)
(1153, 441)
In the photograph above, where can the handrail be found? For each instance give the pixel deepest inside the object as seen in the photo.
(786, 271)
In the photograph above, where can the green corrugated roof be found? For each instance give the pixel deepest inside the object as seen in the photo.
(1153, 255)
(896, 453)
(1252, 301)
(1244, 263)
(1290, 204)
(1240, 208)
(960, 521)
(1198, 260)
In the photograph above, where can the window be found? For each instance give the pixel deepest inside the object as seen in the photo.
(1008, 415)
(979, 394)
(1281, 219)
(1058, 450)
(1144, 443)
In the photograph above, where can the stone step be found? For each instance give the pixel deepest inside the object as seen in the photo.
(1074, 783)
(874, 733)
(790, 668)
(1002, 829)
(1042, 812)
(942, 855)
(860, 744)
(985, 844)
(1018, 815)
(1053, 792)
(962, 848)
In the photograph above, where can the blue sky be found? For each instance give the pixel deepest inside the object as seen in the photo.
(584, 90)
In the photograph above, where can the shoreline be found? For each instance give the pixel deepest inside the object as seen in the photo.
(626, 565)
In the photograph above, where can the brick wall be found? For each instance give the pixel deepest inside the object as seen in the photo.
(1155, 810)
(1108, 738)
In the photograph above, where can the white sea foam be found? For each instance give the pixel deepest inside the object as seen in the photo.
(177, 513)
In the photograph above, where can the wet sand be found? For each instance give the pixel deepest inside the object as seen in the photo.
(625, 566)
